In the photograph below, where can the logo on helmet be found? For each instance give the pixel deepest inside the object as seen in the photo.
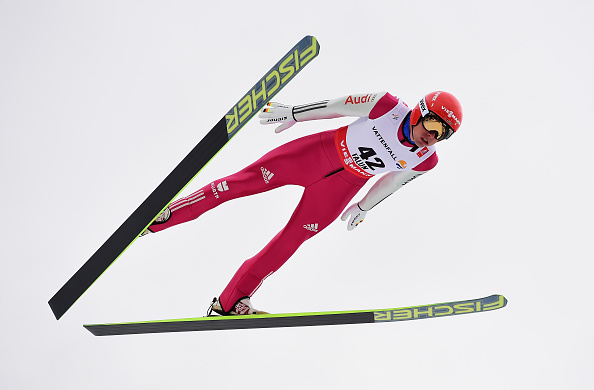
(423, 107)
(451, 117)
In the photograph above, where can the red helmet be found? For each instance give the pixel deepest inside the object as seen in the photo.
(443, 104)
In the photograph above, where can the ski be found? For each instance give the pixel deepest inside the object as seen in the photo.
(250, 104)
(437, 310)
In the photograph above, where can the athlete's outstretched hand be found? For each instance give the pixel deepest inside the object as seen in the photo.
(357, 216)
(275, 113)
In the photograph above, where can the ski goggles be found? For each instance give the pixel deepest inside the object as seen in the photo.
(441, 130)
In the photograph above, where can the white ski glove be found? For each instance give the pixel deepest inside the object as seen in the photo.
(357, 216)
(275, 113)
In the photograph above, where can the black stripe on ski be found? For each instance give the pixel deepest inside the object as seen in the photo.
(248, 106)
(224, 323)
(129, 230)
(489, 303)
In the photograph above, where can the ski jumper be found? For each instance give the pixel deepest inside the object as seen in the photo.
(331, 166)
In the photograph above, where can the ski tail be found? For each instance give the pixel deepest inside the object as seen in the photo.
(233, 121)
(437, 310)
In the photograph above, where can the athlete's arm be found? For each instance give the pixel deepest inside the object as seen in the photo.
(384, 187)
(353, 105)
(393, 181)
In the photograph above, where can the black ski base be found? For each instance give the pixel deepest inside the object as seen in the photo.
(489, 303)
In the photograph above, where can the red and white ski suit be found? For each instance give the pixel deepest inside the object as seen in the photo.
(331, 166)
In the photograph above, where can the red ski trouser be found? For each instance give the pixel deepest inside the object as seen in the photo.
(312, 162)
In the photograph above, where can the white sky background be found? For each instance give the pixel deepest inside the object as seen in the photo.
(99, 101)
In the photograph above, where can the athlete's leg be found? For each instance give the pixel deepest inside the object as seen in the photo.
(297, 162)
(322, 203)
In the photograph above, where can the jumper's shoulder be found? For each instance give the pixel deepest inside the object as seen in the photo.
(427, 164)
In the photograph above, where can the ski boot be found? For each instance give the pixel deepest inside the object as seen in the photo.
(241, 307)
(162, 218)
